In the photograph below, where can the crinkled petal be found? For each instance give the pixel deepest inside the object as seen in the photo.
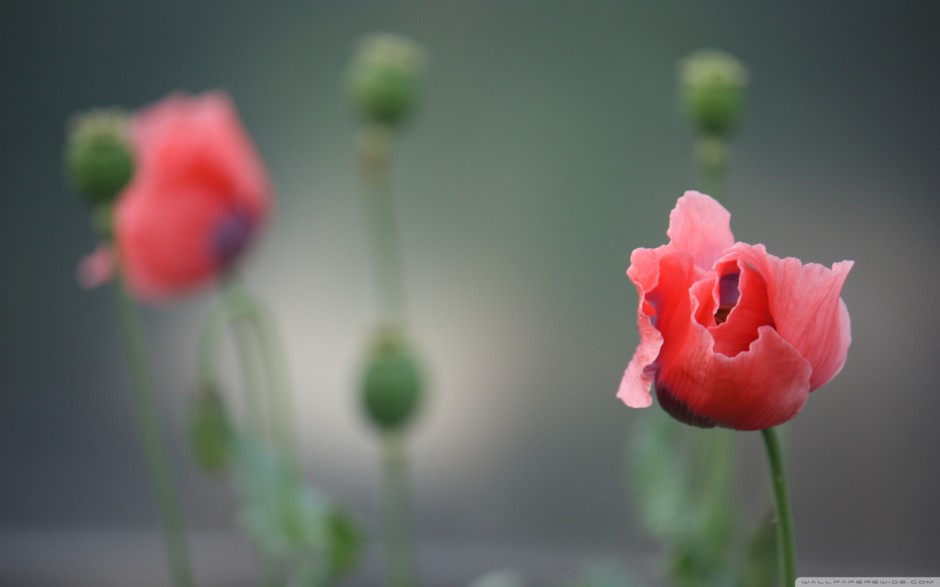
(763, 386)
(635, 386)
(701, 227)
(806, 307)
(750, 312)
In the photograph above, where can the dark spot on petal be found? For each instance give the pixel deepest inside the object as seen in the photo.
(680, 410)
(728, 295)
(231, 235)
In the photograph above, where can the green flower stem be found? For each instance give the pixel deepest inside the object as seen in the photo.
(379, 207)
(209, 342)
(381, 224)
(785, 537)
(398, 548)
(148, 427)
(252, 323)
(712, 155)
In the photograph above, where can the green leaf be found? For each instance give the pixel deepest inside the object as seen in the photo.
(211, 434)
(299, 532)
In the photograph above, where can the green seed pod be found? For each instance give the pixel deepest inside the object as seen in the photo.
(211, 434)
(384, 78)
(712, 85)
(391, 383)
(98, 158)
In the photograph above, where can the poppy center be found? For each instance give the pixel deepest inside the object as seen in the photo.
(232, 233)
(728, 295)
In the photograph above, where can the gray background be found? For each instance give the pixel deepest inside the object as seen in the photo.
(550, 145)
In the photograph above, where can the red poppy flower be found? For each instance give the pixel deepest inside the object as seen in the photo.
(729, 334)
(198, 196)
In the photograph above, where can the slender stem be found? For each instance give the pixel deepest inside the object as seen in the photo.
(712, 155)
(785, 537)
(209, 344)
(148, 428)
(382, 226)
(398, 550)
(387, 264)
(276, 374)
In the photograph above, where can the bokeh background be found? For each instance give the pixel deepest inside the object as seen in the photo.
(549, 146)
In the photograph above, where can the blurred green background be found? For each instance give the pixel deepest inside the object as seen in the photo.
(549, 146)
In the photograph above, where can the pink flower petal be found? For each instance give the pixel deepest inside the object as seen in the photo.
(763, 386)
(97, 268)
(165, 243)
(750, 312)
(198, 195)
(700, 226)
(635, 386)
(181, 138)
(808, 312)
(731, 335)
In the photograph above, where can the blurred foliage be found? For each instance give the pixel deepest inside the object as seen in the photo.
(604, 574)
(682, 477)
(761, 565)
(500, 578)
(303, 539)
(595, 574)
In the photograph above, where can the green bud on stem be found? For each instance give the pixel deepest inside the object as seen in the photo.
(712, 85)
(384, 78)
(391, 383)
(98, 157)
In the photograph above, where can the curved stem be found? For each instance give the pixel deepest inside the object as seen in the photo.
(250, 378)
(148, 428)
(253, 321)
(276, 373)
(398, 551)
(785, 537)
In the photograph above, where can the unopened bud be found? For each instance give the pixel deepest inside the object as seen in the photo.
(712, 85)
(385, 78)
(98, 156)
(211, 435)
(391, 384)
